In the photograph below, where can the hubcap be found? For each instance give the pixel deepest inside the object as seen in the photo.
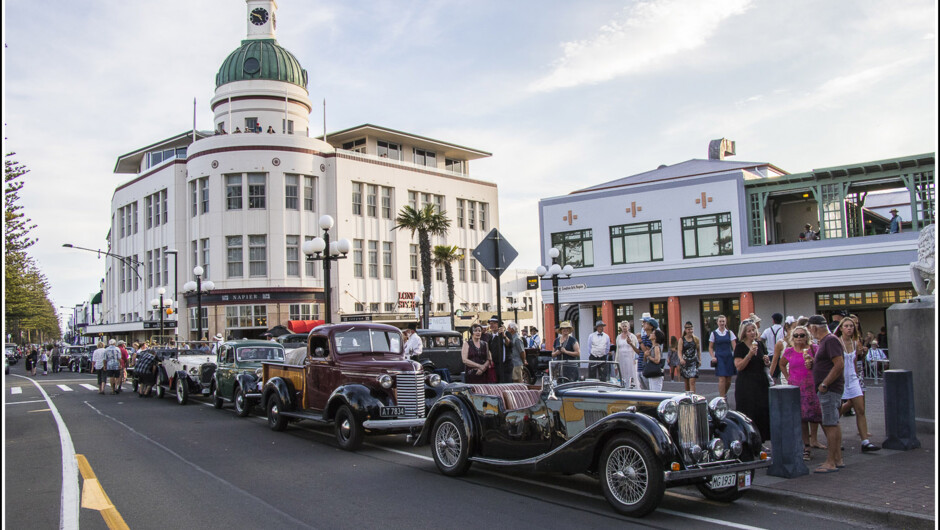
(344, 428)
(447, 444)
(240, 400)
(626, 475)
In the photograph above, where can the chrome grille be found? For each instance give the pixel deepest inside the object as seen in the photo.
(409, 392)
(692, 426)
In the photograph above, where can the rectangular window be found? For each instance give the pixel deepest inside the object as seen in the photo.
(234, 247)
(356, 198)
(636, 243)
(372, 192)
(576, 248)
(413, 261)
(194, 249)
(309, 198)
(473, 268)
(471, 215)
(388, 150)
(302, 312)
(425, 199)
(257, 255)
(291, 192)
(157, 208)
(246, 316)
(166, 267)
(389, 307)
(256, 190)
(134, 269)
(357, 258)
(149, 202)
(439, 273)
(310, 266)
(360, 307)
(166, 218)
(204, 194)
(358, 146)
(460, 207)
(373, 259)
(413, 199)
(251, 124)
(287, 128)
(439, 203)
(374, 307)
(205, 257)
(193, 325)
(233, 192)
(193, 202)
(123, 276)
(425, 158)
(707, 235)
(483, 206)
(120, 213)
(134, 215)
(457, 166)
(293, 256)
(149, 269)
(386, 202)
(462, 267)
(387, 259)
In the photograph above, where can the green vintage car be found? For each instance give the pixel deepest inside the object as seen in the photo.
(238, 372)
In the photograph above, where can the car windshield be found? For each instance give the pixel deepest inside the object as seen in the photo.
(259, 353)
(367, 340)
(561, 372)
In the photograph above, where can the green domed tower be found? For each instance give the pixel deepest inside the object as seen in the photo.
(261, 59)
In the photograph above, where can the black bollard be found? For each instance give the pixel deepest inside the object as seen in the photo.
(785, 433)
(899, 411)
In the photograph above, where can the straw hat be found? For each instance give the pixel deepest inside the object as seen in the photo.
(565, 324)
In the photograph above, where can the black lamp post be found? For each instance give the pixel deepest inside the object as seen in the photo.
(554, 271)
(176, 289)
(320, 249)
(161, 304)
(198, 287)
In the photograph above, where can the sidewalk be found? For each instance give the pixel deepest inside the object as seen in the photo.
(890, 488)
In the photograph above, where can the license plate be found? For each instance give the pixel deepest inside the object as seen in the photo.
(742, 480)
(392, 411)
(205, 391)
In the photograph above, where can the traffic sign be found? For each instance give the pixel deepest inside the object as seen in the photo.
(532, 282)
(495, 253)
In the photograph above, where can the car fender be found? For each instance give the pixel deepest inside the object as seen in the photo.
(738, 427)
(460, 407)
(185, 377)
(280, 387)
(358, 397)
(248, 382)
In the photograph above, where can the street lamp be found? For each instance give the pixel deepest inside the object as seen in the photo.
(176, 289)
(320, 249)
(198, 287)
(554, 271)
(127, 260)
(161, 304)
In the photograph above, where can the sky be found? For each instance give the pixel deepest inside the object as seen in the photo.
(564, 94)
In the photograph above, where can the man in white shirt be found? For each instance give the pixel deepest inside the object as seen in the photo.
(598, 350)
(413, 345)
(97, 358)
(535, 341)
(771, 336)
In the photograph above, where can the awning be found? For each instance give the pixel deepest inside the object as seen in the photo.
(303, 326)
(96, 299)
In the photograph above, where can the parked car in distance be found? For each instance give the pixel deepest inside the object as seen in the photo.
(292, 340)
(185, 372)
(78, 358)
(582, 420)
(442, 348)
(354, 377)
(238, 372)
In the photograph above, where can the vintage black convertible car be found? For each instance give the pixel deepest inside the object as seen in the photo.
(582, 420)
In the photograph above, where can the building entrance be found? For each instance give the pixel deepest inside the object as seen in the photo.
(711, 308)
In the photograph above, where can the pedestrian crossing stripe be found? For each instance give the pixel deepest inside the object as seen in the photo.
(16, 390)
(65, 388)
(88, 387)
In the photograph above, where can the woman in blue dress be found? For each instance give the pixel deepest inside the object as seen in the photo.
(721, 345)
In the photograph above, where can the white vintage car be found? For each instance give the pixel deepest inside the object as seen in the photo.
(185, 372)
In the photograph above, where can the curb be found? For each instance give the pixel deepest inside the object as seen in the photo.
(842, 509)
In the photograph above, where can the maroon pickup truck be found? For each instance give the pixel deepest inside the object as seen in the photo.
(355, 377)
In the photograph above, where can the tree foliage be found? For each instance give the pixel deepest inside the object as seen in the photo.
(426, 222)
(445, 256)
(28, 308)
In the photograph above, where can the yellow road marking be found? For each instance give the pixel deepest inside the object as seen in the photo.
(94, 497)
(39, 410)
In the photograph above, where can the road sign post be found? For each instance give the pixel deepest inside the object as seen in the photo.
(495, 254)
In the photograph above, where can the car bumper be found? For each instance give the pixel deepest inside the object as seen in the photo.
(715, 468)
(383, 425)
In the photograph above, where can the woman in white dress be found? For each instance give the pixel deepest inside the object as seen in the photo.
(627, 347)
(855, 398)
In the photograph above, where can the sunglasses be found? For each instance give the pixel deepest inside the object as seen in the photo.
(799, 336)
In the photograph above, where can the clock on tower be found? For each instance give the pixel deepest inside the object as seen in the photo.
(261, 18)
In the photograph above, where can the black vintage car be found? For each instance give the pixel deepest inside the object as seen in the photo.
(78, 358)
(442, 348)
(582, 420)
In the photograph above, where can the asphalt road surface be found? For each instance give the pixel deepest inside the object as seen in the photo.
(150, 463)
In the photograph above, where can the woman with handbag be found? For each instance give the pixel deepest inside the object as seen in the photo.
(691, 357)
(751, 388)
(567, 349)
(653, 361)
(476, 357)
(796, 364)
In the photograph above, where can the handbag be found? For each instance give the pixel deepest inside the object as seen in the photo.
(653, 369)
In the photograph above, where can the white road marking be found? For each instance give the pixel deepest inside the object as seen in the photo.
(24, 402)
(88, 387)
(65, 388)
(68, 511)
(16, 390)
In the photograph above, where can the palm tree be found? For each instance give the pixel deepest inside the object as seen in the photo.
(425, 222)
(444, 256)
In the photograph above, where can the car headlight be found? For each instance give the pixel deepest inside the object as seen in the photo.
(434, 380)
(716, 447)
(718, 407)
(737, 447)
(668, 411)
(385, 380)
(259, 372)
(194, 371)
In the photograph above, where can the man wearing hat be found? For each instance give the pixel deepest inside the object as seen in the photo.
(650, 325)
(837, 316)
(895, 227)
(498, 344)
(830, 381)
(598, 350)
(413, 345)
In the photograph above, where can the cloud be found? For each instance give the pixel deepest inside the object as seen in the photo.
(641, 38)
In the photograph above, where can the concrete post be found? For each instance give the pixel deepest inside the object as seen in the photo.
(785, 433)
(899, 411)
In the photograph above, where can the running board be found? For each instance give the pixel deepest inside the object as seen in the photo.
(306, 416)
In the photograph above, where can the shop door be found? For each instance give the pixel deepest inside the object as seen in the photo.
(710, 309)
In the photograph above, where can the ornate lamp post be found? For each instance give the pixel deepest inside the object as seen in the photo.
(176, 289)
(198, 287)
(554, 271)
(161, 304)
(321, 249)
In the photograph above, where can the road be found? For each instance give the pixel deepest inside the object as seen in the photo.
(154, 464)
